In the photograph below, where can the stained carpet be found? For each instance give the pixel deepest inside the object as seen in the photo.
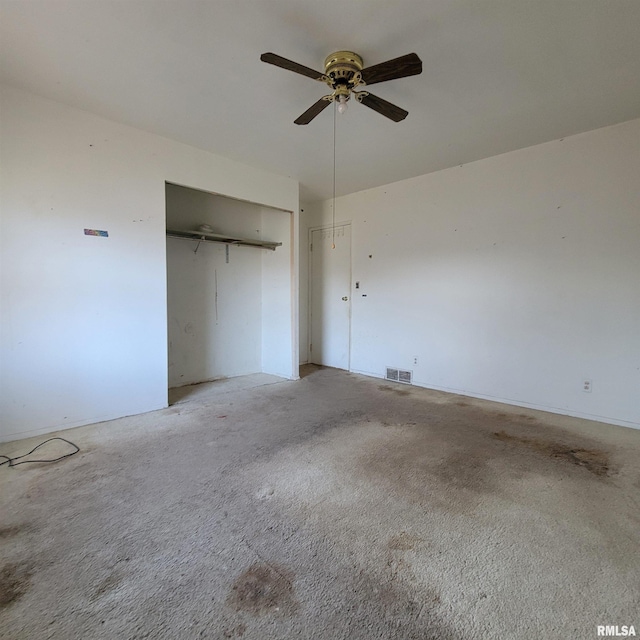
(336, 507)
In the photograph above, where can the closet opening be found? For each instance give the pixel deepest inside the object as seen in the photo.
(229, 287)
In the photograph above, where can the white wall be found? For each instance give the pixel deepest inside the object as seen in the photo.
(84, 319)
(512, 278)
(279, 296)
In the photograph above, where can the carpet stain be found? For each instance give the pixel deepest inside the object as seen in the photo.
(397, 391)
(107, 585)
(414, 610)
(391, 595)
(512, 417)
(593, 460)
(386, 595)
(423, 467)
(403, 542)
(236, 632)
(13, 530)
(14, 582)
(452, 464)
(264, 588)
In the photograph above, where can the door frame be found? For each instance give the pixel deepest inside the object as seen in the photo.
(324, 227)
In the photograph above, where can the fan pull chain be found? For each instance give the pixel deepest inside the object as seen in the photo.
(333, 226)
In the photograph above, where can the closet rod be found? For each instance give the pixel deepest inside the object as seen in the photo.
(224, 239)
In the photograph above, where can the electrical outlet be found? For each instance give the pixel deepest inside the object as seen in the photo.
(415, 359)
(586, 385)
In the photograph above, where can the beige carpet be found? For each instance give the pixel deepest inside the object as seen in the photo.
(335, 507)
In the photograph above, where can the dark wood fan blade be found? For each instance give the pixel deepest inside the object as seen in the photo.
(313, 111)
(382, 106)
(409, 65)
(290, 65)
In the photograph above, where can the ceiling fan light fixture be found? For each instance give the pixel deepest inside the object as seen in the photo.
(343, 73)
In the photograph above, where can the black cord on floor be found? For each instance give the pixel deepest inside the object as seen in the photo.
(12, 461)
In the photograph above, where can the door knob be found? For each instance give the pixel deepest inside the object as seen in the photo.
(345, 298)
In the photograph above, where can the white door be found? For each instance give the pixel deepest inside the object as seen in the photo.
(330, 296)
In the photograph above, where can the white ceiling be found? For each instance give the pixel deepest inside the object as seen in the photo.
(498, 75)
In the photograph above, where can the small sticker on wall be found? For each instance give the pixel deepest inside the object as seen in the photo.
(96, 232)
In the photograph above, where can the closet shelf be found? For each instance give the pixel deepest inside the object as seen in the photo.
(202, 236)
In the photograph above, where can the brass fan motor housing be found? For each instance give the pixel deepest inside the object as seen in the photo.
(343, 68)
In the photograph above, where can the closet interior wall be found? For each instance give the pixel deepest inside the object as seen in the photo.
(224, 317)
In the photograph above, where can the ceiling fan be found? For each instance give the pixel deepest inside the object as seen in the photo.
(343, 72)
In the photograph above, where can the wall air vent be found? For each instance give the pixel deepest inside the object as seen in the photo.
(399, 375)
